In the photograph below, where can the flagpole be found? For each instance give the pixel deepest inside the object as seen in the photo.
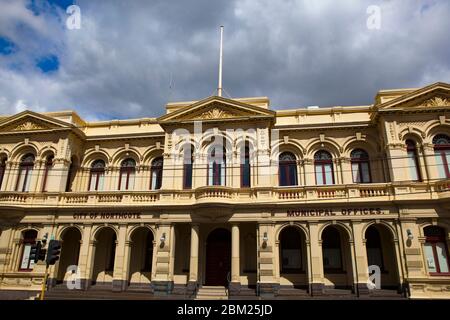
(219, 87)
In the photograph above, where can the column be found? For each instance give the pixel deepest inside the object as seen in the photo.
(360, 265)
(346, 171)
(85, 260)
(162, 284)
(5, 248)
(430, 161)
(235, 285)
(12, 170)
(317, 276)
(267, 285)
(193, 263)
(119, 282)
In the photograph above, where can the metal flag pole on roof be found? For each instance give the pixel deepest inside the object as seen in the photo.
(219, 87)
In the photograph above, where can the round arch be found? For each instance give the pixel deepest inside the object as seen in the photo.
(123, 154)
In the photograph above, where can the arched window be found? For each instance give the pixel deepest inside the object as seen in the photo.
(323, 165)
(287, 169)
(442, 153)
(331, 249)
(360, 166)
(127, 173)
(413, 160)
(156, 173)
(217, 164)
(28, 240)
(245, 166)
(97, 175)
(47, 171)
(2, 170)
(374, 247)
(25, 173)
(436, 251)
(188, 162)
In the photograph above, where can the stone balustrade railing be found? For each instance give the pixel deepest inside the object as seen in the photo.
(339, 193)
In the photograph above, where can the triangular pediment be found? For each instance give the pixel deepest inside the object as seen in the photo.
(217, 109)
(27, 121)
(435, 96)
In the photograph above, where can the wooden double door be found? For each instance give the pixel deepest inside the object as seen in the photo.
(218, 258)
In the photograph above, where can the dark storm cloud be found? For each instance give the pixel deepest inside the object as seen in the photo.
(297, 53)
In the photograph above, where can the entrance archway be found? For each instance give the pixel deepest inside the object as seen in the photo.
(218, 257)
(105, 252)
(70, 251)
(381, 252)
(141, 256)
(293, 261)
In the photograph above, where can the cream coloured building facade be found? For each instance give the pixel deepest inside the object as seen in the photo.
(228, 192)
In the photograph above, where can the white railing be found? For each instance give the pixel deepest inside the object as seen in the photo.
(338, 193)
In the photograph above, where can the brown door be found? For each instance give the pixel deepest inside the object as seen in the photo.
(218, 257)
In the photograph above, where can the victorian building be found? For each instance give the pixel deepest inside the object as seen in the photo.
(228, 192)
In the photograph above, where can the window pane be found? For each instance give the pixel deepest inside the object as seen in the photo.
(332, 258)
(412, 166)
(246, 175)
(442, 256)
(211, 174)
(154, 179)
(440, 165)
(293, 174)
(101, 178)
(365, 172)
(187, 176)
(123, 181)
(429, 256)
(319, 175)
(222, 174)
(355, 172)
(131, 181)
(28, 179)
(26, 256)
(328, 174)
(447, 156)
(93, 182)
(21, 180)
(282, 171)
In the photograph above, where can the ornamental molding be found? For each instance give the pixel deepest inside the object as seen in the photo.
(436, 102)
(216, 113)
(28, 126)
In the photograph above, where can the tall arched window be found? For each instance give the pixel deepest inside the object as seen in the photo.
(442, 153)
(127, 173)
(217, 164)
(245, 166)
(47, 171)
(323, 164)
(291, 251)
(413, 160)
(97, 175)
(188, 162)
(156, 173)
(2, 170)
(360, 166)
(28, 239)
(436, 251)
(25, 173)
(287, 168)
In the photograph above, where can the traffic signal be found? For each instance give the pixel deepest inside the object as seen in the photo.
(53, 251)
(35, 251)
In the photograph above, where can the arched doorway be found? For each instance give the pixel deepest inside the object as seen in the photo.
(70, 251)
(337, 260)
(218, 257)
(141, 257)
(105, 252)
(381, 252)
(293, 265)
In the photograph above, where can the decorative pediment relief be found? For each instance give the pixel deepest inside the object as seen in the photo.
(216, 108)
(436, 102)
(29, 121)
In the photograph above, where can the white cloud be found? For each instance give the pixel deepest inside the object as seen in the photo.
(296, 52)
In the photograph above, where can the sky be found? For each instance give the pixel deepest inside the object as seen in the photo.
(129, 58)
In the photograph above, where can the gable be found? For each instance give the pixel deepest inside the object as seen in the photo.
(435, 96)
(30, 121)
(217, 109)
